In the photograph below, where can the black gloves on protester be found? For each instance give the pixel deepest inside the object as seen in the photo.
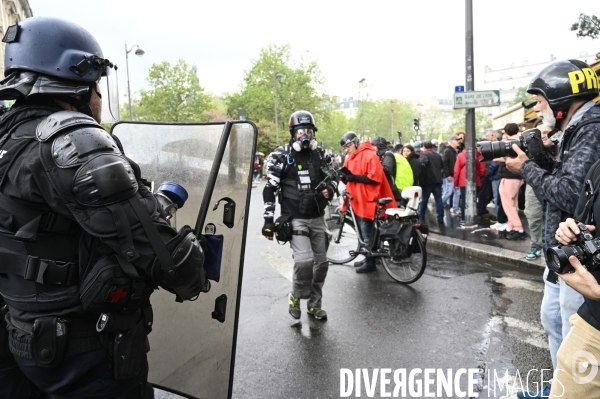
(268, 228)
(357, 178)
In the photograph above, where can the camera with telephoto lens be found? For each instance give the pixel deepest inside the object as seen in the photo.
(530, 143)
(171, 197)
(586, 248)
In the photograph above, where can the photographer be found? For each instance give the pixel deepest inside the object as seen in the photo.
(563, 99)
(585, 324)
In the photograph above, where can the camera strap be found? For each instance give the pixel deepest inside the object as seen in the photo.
(591, 192)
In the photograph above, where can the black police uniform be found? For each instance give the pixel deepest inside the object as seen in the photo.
(73, 246)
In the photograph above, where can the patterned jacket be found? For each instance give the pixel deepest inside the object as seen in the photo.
(276, 165)
(560, 188)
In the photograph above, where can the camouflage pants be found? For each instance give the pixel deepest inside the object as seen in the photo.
(310, 260)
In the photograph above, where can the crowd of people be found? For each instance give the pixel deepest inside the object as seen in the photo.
(545, 174)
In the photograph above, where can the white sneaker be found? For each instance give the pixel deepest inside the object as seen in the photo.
(498, 226)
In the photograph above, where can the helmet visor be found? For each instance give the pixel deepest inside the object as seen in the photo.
(110, 95)
(305, 131)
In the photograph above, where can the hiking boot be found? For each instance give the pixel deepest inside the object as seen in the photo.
(359, 263)
(544, 393)
(516, 235)
(365, 268)
(294, 306)
(534, 253)
(317, 313)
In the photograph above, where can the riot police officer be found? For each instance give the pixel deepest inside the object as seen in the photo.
(83, 242)
(302, 174)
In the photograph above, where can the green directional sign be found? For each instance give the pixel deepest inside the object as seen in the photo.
(476, 99)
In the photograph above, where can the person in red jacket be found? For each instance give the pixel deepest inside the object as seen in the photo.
(460, 177)
(365, 182)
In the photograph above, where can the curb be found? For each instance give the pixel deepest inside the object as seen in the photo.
(485, 252)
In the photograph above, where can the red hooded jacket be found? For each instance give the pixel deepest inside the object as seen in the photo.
(364, 161)
(460, 169)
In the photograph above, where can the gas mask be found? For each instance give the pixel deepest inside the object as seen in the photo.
(305, 141)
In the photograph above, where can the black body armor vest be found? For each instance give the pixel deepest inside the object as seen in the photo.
(38, 248)
(302, 173)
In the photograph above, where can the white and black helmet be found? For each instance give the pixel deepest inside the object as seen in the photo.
(347, 138)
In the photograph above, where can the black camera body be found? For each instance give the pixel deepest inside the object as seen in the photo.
(530, 143)
(586, 248)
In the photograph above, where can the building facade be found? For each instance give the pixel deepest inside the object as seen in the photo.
(509, 79)
(11, 12)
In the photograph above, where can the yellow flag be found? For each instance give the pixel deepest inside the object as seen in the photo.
(441, 138)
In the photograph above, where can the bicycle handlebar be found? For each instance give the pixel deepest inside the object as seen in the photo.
(347, 194)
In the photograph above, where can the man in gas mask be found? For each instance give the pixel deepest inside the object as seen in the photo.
(564, 90)
(302, 173)
(83, 243)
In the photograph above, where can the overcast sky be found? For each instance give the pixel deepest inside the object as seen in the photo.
(404, 49)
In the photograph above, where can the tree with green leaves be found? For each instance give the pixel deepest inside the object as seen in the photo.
(521, 95)
(277, 75)
(332, 127)
(378, 119)
(174, 95)
(587, 26)
(482, 121)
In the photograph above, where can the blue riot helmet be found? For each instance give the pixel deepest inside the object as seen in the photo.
(59, 59)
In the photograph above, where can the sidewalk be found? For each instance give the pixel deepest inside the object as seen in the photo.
(481, 241)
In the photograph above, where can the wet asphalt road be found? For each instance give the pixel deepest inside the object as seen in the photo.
(461, 314)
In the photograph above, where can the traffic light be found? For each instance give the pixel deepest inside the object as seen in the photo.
(399, 136)
(416, 122)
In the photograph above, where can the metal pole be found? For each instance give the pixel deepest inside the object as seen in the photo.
(128, 86)
(392, 136)
(471, 189)
(275, 106)
(362, 103)
(363, 119)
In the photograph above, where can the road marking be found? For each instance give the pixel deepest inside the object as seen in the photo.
(510, 282)
(536, 336)
(279, 263)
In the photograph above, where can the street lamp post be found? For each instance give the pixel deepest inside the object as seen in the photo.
(362, 103)
(139, 52)
(392, 108)
(276, 75)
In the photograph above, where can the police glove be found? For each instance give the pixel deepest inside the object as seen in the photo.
(268, 228)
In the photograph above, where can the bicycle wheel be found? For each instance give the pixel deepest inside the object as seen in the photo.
(410, 269)
(339, 253)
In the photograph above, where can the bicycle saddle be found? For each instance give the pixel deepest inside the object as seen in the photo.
(383, 201)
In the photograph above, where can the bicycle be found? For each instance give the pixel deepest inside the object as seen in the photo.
(346, 242)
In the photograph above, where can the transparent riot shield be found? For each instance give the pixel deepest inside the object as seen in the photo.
(192, 352)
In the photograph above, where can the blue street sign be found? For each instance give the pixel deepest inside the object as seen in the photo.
(459, 88)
